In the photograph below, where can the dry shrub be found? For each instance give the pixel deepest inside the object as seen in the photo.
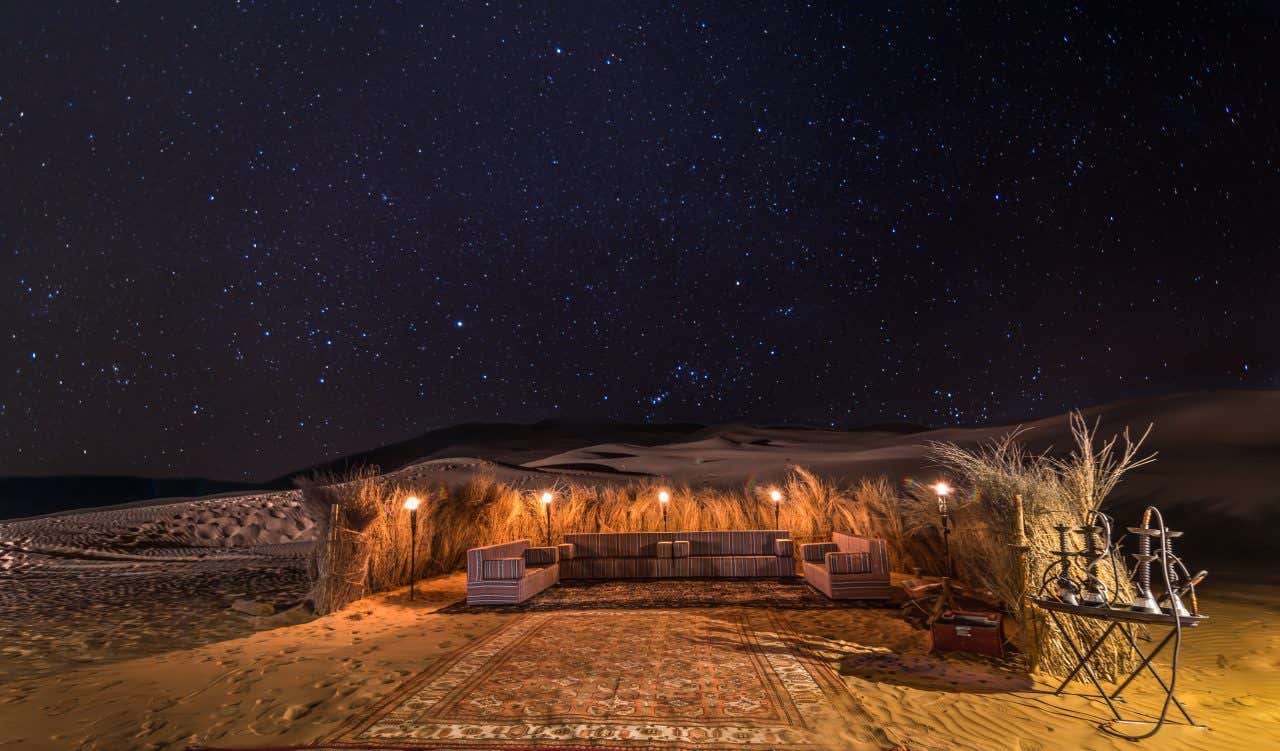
(346, 509)
(1054, 491)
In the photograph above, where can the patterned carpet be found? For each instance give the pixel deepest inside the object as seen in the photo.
(670, 679)
(670, 593)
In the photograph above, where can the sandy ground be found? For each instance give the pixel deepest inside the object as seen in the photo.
(143, 626)
(235, 680)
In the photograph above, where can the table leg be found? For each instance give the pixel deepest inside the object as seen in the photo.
(1083, 662)
(1146, 663)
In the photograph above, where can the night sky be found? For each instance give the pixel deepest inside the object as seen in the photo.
(238, 238)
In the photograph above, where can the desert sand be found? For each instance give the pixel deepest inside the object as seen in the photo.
(270, 681)
(165, 624)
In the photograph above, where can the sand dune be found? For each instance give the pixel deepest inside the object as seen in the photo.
(1218, 467)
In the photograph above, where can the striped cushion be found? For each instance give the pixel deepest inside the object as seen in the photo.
(566, 550)
(874, 547)
(680, 549)
(784, 548)
(477, 556)
(664, 550)
(541, 556)
(849, 563)
(504, 568)
(816, 552)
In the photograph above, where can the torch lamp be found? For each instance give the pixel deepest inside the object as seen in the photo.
(943, 490)
(775, 495)
(546, 504)
(946, 600)
(411, 505)
(663, 499)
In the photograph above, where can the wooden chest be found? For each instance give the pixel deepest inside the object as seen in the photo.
(972, 631)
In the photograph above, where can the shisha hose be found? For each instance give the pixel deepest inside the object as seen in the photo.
(1190, 588)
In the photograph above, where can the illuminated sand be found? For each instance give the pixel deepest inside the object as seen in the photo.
(298, 683)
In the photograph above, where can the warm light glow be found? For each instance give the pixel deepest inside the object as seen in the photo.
(776, 495)
(663, 496)
(411, 503)
(942, 488)
(546, 498)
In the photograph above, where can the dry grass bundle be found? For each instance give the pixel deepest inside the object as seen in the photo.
(345, 508)
(366, 539)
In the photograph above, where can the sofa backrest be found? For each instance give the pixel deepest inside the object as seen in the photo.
(477, 556)
(645, 544)
(617, 544)
(874, 546)
(749, 542)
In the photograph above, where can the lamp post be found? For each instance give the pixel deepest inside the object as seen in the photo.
(546, 504)
(945, 600)
(943, 490)
(663, 499)
(776, 496)
(411, 505)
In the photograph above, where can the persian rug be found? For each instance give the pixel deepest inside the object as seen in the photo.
(724, 680)
(670, 593)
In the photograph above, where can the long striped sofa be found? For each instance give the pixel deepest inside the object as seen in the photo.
(661, 555)
(510, 573)
(848, 567)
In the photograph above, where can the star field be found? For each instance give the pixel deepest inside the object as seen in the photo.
(241, 238)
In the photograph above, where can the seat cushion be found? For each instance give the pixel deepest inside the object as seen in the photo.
(664, 550)
(680, 549)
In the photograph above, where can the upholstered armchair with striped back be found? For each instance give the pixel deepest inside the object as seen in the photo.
(848, 567)
(510, 573)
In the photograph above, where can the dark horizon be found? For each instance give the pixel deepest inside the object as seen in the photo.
(236, 240)
(189, 484)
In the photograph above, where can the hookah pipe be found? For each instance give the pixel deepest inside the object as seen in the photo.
(1068, 591)
(1146, 532)
(1145, 602)
(1095, 590)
